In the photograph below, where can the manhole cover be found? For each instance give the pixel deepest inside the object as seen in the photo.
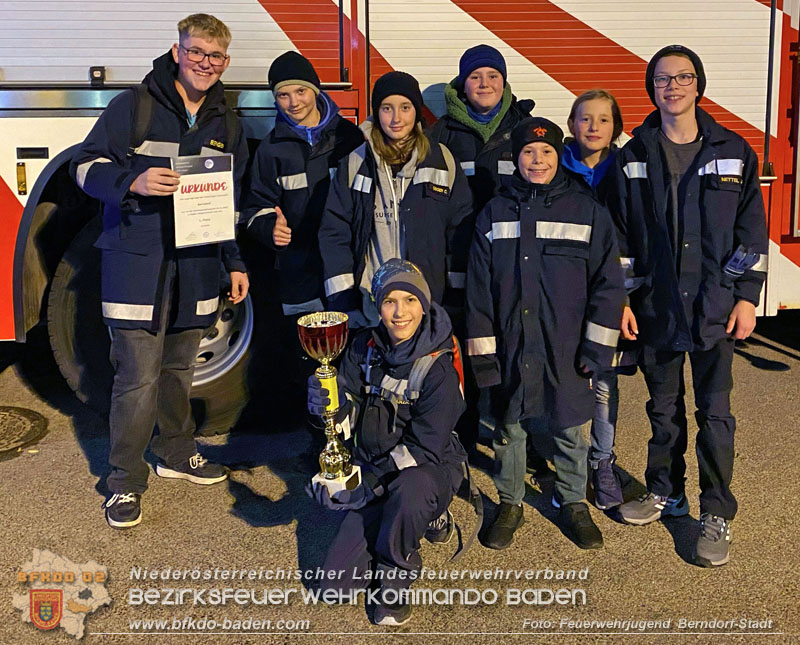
(18, 427)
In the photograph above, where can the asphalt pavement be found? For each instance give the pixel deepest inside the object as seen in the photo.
(262, 523)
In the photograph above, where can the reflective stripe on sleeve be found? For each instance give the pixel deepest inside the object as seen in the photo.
(402, 457)
(206, 307)
(602, 335)
(83, 169)
(481, 346)
(166, 149)
(468, 167)
(339, 283)
(124, 311)
(263, 211)
(293, 182)
(564, 231)
(456, 279)
(626, 263)
(635, 170)
(303, 307)
(503, 231)
(505, 167)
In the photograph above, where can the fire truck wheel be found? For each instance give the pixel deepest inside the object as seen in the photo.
(81, 342)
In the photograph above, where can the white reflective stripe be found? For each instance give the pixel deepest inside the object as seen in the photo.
(633, 283)
(468, 167)
(602, 335)
(237, 215)
(83, 169)
(398, 386)
(627, 263)
(362, 183)
(722, 167)
(402, 457)
(616, 361)
(481, 346)
(432, 176)
(211, 152)
(293, 182)
(263, 211)
(456, 279)
(505, 167)
(345, 428)
(761, 265)
(123, 311)
(332, 173)
(339, 283)
(503, 231)
(303, 307)
(635, 170)
(158, 149)
(206, 307)
(564, 231)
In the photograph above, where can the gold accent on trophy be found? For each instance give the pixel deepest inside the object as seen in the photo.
(323, 336)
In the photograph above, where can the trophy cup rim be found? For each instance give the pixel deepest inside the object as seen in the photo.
(339, 318)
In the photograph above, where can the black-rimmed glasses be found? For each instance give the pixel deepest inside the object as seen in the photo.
(663, 80)
(196, 56)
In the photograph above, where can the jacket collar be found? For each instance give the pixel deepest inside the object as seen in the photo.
(161, 84)
(709, 129)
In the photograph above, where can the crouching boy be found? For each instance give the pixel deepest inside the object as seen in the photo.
(404, 392)
(544, 298)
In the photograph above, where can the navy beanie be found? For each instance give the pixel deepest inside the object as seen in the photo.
(672, 50)
(403, 275)
(398, 83)
(536, 128)
(292, 68)
(480, 56)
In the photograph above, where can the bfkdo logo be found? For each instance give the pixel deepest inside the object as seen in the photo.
(46, 607)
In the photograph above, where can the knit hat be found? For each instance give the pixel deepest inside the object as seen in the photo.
(533, 129)
(480, 56)
(404, 275)
(292, 68)
(397, 83)
(671, 50)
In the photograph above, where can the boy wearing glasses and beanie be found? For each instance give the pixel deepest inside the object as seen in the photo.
(693, 233)
(157, 299)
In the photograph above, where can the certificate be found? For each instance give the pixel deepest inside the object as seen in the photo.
(203, 203)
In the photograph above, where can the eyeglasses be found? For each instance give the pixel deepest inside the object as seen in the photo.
(663, 80)
(196, 56)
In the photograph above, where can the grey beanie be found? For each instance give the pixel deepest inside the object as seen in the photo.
(404, 275)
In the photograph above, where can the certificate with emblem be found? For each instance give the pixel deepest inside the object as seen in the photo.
(203, 203)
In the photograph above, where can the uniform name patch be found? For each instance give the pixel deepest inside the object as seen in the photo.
(216, 144)
(731, 180)
(439, 190)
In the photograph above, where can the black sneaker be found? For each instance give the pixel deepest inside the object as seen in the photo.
(579, 526)
(606, 484)
(440, 530)
(509, 518)
(394, 614)
(196, 470)
(123, 510)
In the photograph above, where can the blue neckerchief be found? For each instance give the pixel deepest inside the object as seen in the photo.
(327, 110)
(484, 118)
(593, 176)
(191, 118)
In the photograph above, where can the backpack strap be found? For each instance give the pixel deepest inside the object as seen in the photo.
(142, 115)
(476, 501)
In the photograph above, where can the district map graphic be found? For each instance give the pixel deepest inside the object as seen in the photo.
(60, 592)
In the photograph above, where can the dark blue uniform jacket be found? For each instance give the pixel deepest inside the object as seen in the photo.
(291, 173)
(544, 296)
(420, 433)
(686, 298)
(138, 232)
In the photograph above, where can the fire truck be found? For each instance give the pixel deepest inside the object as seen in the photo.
(62, 62)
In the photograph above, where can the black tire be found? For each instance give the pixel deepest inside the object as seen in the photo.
(80, 342)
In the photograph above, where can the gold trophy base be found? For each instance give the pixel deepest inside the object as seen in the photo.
(340, 483)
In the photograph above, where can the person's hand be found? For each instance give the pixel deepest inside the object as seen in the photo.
(240, 285)
(156, 182)
(318, 396)
(742, 320)
(628, 326)
(346, 500)
(281, 233)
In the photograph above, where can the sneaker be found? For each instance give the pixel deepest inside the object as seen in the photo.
(123, 510)
(578, 525)
(440, 530)
(196, 470)
(394, 614)
(713, 545)
(606, 484)
(508, 520)
(649, 508)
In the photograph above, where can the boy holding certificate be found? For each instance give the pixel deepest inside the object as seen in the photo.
(157, 298)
